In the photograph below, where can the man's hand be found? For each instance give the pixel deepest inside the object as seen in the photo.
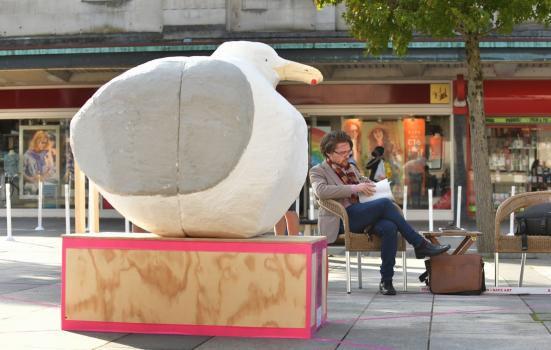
(367, 188)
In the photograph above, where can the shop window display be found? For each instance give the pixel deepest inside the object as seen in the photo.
(39, 153)
(33, 150)
(518, 157)
(415, 154)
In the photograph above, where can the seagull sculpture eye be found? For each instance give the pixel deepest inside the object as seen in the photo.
(266, 59)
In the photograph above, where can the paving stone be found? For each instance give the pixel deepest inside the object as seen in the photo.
(155, 342)
(30, 313)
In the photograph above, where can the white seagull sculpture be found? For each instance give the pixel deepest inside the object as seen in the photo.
(198, 146)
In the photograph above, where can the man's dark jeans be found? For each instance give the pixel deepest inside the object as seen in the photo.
(386, 220)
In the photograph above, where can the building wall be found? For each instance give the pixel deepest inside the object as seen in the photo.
(67, 17)
(59, 17)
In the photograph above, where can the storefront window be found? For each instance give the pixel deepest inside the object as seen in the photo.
(416, 153)
(519, 157)
(427, 161)
(34, 150)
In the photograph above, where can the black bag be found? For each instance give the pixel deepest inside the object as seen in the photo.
(455, 274)
(534, 221)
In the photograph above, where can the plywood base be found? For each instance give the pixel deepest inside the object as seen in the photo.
(260, 287)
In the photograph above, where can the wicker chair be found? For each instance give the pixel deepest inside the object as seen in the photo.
(360, 242)
(512, 244)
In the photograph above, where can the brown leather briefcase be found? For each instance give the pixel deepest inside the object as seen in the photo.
(456, 274)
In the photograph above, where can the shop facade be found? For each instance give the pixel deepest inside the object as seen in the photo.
(412, 121)
(518, 121)
(34, 144)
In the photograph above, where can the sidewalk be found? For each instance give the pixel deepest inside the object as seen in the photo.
(30, 285)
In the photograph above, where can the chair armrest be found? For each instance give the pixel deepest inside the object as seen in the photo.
(336, 208)
(516, 202)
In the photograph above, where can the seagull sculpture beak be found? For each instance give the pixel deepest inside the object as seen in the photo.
(293, 71)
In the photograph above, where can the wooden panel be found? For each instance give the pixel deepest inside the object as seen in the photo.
(107, 236)
(185, 287)
(93, 207)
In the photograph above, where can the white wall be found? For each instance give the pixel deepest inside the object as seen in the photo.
(65, 17)
(194, 12)
(50, 17)
(279, 15)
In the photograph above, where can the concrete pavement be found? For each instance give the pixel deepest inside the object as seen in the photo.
(30, 289)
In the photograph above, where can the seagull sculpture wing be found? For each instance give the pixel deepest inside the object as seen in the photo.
(200, 111)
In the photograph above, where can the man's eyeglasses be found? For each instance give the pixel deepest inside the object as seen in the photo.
(343, 153)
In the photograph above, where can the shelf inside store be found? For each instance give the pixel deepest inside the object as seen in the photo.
(516, 177)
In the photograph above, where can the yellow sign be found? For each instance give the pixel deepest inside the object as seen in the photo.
(440, 93)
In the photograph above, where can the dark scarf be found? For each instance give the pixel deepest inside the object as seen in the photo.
(347, 176)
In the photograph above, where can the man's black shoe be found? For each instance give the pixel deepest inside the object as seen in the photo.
(428, 249)
(387, 288)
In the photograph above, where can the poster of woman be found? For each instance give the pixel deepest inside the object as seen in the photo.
(386, 134)
(353, 127)
(38, 151)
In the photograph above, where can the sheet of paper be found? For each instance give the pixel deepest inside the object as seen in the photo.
(382, 190)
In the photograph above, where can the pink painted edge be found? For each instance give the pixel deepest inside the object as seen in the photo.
(63, 273)
(319, 246)
(225, 331)
(309, 291)
(143, 244)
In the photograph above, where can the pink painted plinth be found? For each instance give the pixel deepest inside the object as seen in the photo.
(315, 287)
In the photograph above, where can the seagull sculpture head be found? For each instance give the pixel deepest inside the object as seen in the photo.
(268, 62)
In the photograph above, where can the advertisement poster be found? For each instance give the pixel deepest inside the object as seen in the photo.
(353, 127)
(38, 159)
(315, 138)
(435, 151)
(386, 134)
(414, 137)
(414, 141)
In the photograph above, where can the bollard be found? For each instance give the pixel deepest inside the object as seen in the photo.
(40, 188)
(405, 202)
(458, 220)
(512, 217)
(67, 210)
(92, 207)
(431, 221)
(126, 225)
(8, 213)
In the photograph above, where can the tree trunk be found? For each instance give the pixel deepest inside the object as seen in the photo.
(479, 145)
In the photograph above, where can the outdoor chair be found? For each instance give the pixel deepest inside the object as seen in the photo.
(513, 244)
(360, 242)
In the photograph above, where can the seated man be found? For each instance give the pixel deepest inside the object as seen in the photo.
(336, 179)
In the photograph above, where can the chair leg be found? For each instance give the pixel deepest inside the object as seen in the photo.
(522, 263)
(405, 270)
(496, 269)
(347, 272)
(359, 260)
